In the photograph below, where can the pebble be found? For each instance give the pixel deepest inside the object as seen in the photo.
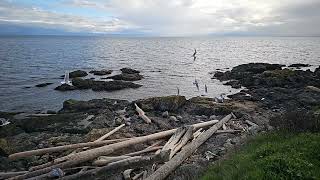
(165, 114)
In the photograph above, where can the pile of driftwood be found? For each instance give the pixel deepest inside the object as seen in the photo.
(181, 144)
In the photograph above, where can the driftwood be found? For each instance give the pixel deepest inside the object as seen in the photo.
(103, 160)
(251, 123)
(109, 133)
(197, 133)
(142, 114)
(174, 139)
(62, 148)
(91, 154)
(183, 141)
(137, 176)
(6, 175)
(132, 162)
(171, 165)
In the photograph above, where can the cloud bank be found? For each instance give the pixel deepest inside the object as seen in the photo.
(169, 18)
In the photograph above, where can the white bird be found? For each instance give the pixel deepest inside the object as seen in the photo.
(220, 99)
(66, 79)
(4, 122)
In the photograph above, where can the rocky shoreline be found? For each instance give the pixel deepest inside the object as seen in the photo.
(270, 91)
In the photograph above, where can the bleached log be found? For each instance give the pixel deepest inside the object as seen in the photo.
(91, 154)
(132, 162)
(183, 141)
(171, 165)
(109, 133)
(312, 88)
(174, 139)
(251, 123)
(142, 114)
(62, 148)
(137, 176)
(6, 175)
(103, 160)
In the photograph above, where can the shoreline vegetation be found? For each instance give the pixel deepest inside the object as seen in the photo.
(275, 121)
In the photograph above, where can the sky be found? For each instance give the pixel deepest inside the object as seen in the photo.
(161, 17)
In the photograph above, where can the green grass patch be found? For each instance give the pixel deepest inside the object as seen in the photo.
(272, 156)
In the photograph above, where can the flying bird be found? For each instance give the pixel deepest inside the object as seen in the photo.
(194, 54)
(196, 83)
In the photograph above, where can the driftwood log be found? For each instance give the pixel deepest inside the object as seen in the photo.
(91, 154)
(171, 165)
(142, 114)
(109, 133)
(132, 162)
(63, 148)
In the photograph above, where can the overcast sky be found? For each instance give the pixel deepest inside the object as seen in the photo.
(161, 17)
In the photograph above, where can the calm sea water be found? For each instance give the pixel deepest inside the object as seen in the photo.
(166, 64)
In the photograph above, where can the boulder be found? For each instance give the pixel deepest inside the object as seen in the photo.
(78, 73)
(234, 84)
(65, 87)
(129, 71)
(43, 84)
(126, 77)
(101, 72)
(166, 103)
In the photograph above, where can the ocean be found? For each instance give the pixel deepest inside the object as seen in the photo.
(166, 64)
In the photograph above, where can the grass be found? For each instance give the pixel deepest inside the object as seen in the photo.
(272, 156)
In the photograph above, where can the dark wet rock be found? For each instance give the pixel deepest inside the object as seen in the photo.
(126, 77)
(51, 112)
(254, 68)
(103, 85)
(317, 72)
(101, 72)
(166, 103)
(299, 65)
(78, 73)
(93, 106)
(65, 87)
(129, 71)
(43, 84)
(234, 84)
(205, 106)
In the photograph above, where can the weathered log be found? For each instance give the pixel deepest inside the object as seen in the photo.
(108, 149)
(174, 139)
(183, 141)
(6, 175)
(312, 88)
(132, 162)
(109, 133)
(142, 114)
(103, 160)
(127, 174)
(171, 165)
(62, 148)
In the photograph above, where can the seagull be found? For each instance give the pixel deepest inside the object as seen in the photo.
(196, 83)
(66, 79)
(4, 122)
(220, 99)
(194, 54)
(205, 88)
(178, 90)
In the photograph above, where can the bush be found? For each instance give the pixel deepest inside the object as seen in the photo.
(297, 120)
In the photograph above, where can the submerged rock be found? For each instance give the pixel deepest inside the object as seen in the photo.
(101, 72)
(78, 73)
(65, 87)
(126, 77)
(79, 83)
(43, 84)
(129, 71)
